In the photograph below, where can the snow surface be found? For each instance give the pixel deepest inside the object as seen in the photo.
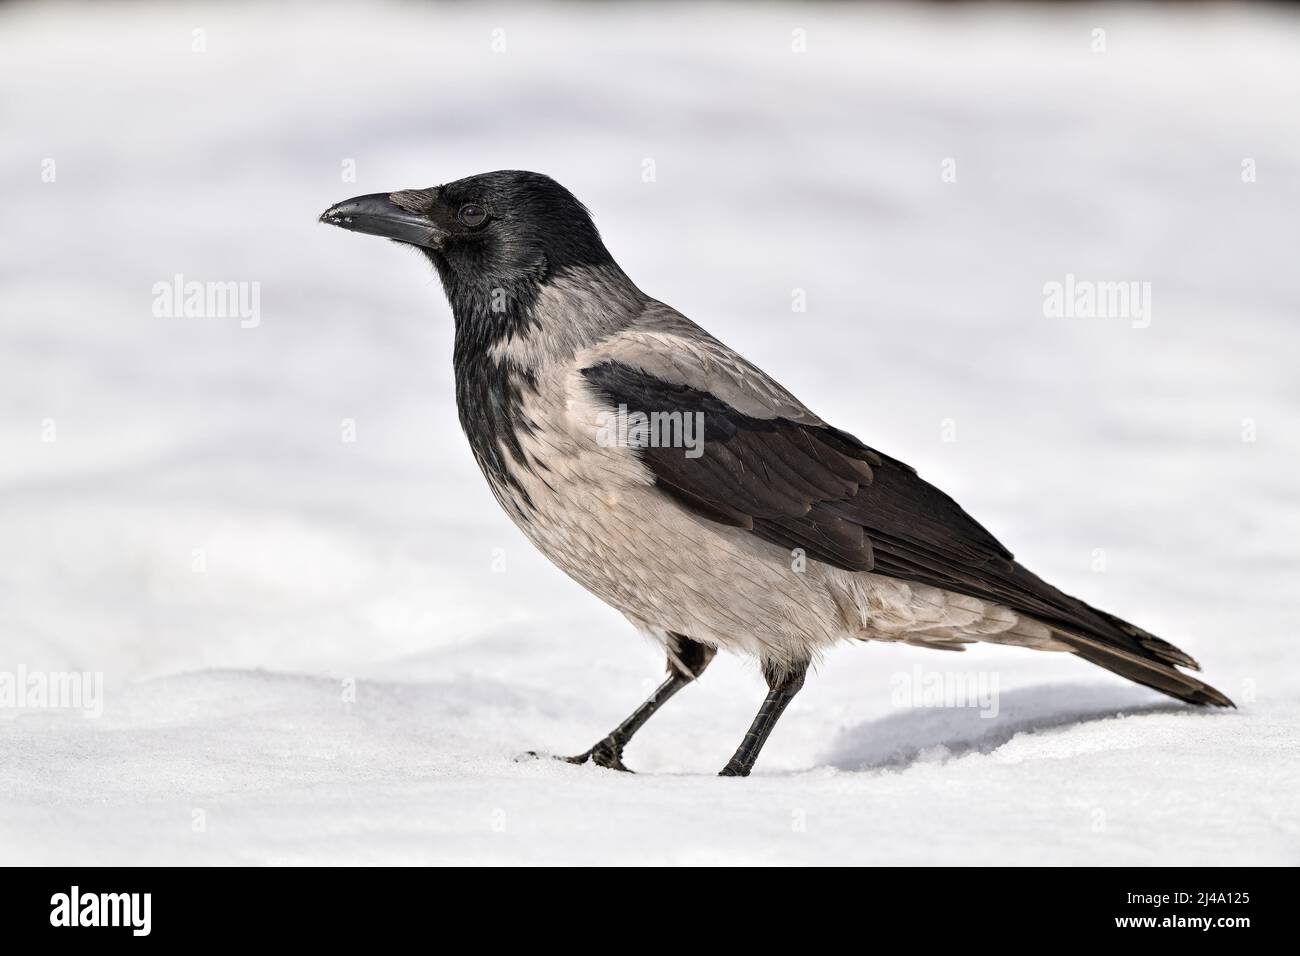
(1112, 459)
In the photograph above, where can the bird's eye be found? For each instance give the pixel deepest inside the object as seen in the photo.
(472, 214)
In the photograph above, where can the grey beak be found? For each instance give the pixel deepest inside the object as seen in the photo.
(378, 215)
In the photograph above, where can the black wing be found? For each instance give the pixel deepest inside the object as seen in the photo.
(820, 489)
(805, 486)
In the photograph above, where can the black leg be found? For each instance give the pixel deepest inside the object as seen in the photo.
(782, 685)
(685, 663)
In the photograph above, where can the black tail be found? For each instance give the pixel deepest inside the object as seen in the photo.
(1154, 669)
(1113, 643)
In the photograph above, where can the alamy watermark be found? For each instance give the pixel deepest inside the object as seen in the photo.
(179, 299)
(626, 429)
(922, 688)
(1088, 299)
(127, 910)
(22, 689)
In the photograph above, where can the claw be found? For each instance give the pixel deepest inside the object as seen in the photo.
(604, 754)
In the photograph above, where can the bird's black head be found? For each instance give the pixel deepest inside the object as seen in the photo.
(496, 232)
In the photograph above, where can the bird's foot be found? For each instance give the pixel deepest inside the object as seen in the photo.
(607, 754)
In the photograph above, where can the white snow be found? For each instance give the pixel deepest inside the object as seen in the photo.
(198, 532)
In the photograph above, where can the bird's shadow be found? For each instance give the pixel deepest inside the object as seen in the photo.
(937, 733)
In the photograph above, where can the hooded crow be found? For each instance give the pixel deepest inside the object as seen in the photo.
(685, 487)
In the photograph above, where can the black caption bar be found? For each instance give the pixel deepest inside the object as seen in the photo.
(333, 906)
